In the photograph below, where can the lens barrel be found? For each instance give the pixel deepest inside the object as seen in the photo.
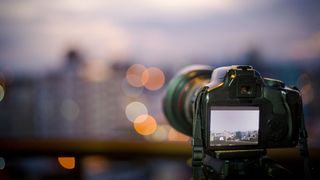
(178, 104)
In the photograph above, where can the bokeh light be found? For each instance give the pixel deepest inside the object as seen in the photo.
(177, 136)
(303, 79)
(135, 109)
(161, 134)
(1, 92)
(307, 93)
(131, 91)
(2, 163)
(69, 109)
(67, 162)
(145, 125)
(134, 75)
(95, 165)
(304, 83)
(153, 78)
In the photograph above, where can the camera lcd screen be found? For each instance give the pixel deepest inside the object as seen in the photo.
(234, 126)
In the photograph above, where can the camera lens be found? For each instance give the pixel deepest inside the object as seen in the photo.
(181, 93)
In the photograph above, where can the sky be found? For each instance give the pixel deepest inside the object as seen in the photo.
(35, 34)
(234, 120)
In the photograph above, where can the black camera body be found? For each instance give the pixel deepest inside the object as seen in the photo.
(251, 112)
(233, 115)
(242, 110)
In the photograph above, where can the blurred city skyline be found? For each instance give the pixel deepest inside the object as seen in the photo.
(82, 76)
(35, 35)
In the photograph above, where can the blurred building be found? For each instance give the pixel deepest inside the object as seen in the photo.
(73, 105)
(81, 100)
(18, 107)
(88, 99)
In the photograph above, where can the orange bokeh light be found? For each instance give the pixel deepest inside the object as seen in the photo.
(153, 78)
(67, 162)
(174, 135)
(134, 75)
(145, 124)
(95, 164)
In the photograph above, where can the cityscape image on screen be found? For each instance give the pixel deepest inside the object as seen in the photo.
(234, 125)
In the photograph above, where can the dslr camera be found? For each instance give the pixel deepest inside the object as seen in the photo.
(233, 115)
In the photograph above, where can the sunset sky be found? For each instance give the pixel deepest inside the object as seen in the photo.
(35, 34)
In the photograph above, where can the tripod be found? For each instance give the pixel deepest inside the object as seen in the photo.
(257, 166)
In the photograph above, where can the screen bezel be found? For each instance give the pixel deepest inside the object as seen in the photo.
(233, 147)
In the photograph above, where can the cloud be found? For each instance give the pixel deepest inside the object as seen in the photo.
(37, 32)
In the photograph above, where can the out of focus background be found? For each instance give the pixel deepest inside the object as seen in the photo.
(82, 82)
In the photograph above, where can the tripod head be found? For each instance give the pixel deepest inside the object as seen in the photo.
(251, 164)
